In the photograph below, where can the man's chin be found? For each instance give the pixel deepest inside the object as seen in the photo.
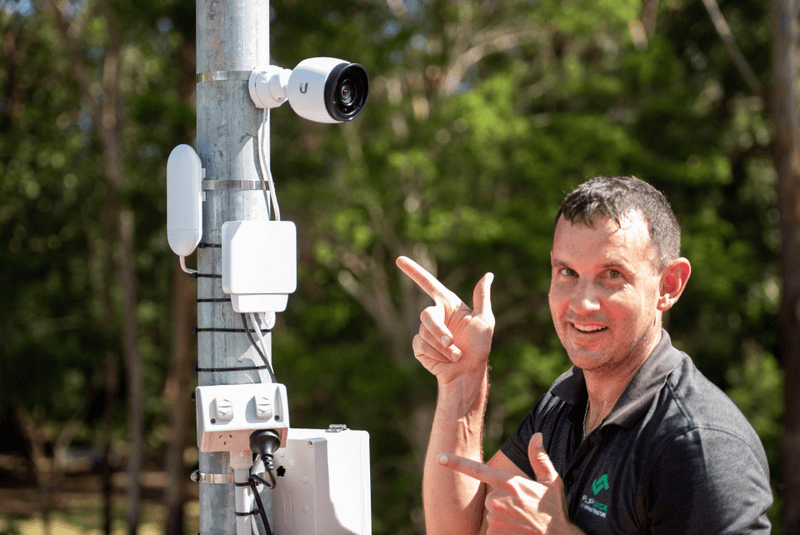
(587, 360)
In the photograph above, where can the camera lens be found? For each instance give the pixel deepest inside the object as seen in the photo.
(347, 94)
(346, 97)
(346, 91)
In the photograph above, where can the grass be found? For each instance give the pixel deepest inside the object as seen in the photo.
(84, 516)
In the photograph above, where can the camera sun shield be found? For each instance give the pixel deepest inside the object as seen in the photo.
(346, 91)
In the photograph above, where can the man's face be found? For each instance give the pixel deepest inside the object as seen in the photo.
(603, 292)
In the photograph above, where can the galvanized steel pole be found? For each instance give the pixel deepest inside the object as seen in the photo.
(232, 39)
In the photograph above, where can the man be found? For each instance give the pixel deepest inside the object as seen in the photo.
(633, 438)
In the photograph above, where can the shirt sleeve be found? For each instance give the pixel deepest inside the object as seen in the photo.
(550, 417)
(516, 447)
(709, 481)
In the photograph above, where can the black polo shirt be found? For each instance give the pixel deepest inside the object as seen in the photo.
(675, 455)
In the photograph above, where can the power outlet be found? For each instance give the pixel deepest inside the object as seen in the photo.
(228, 414)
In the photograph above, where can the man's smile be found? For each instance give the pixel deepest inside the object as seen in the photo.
(588, 328)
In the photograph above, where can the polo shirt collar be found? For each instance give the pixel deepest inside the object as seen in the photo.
(636, 397)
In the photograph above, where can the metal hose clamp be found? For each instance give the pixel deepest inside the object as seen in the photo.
(219, 479)
(222, 76)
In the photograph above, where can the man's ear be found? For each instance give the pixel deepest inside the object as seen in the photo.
(673, 282)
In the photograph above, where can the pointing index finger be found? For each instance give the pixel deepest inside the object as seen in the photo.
(429, 284)
(475, 470)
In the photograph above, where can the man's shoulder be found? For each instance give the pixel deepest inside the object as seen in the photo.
(699, 401)
(692, 407)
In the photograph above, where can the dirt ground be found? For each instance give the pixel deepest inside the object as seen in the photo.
(75, 504)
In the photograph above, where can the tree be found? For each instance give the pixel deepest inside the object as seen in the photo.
(75, 266)
(481, 116)
(786, 153)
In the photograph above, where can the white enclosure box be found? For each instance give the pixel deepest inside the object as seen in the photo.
(184, 200)
(259, 264)
(323, 484)
(228, 414)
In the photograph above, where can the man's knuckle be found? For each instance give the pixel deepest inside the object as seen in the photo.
(428, 314)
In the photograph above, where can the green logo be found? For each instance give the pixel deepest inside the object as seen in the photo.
(600, 484)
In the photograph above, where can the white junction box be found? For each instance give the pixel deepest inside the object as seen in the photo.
(323, 485)
(259, 264)
(228, 414)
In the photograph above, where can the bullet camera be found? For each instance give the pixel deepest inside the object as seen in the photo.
(324, 90)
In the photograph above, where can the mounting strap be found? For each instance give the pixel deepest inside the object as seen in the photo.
(222, 76)
(234, 185)
(218, 479)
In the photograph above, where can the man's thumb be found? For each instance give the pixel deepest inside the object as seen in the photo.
(540, 461)
(481, 299)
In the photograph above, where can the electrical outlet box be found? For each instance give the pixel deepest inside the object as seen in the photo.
(259, 264)
(228, 414)
(323, 483)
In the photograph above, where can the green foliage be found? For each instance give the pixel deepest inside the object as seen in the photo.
(481, 116)
(757, 388)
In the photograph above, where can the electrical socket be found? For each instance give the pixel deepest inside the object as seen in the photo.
(228, 414)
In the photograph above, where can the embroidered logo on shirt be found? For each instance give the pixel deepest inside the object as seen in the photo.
(600, 484)
(592, 505)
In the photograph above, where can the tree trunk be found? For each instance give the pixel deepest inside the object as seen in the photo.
(177, 392)
(106, 115)
(184, 317)
(133, 367)
(786, 153)
(108, 416)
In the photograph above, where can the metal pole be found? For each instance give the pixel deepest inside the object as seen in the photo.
(232, 38)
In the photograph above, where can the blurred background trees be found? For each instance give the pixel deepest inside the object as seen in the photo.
(482, 115)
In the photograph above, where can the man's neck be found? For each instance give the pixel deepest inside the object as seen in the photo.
(605, 385)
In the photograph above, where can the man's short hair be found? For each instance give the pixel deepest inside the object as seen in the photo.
(617, 196)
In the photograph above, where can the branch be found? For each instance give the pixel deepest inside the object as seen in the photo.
(78, 65)
(485, 47)
(398, 9)
(105, 113)
(649, 14)
(109, 125)
(736, 55)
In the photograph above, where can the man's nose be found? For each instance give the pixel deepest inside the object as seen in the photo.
(585, 297)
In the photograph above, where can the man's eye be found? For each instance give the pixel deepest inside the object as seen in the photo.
(567, 272)
(614, 274)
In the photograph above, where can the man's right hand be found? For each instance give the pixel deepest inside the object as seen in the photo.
(453, 339)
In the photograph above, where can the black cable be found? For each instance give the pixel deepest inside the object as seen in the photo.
(252, 480)
(234, 369)
(196, 330)
(264, 481)
(255, 345)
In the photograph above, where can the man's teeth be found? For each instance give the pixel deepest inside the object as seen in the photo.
(588, 329)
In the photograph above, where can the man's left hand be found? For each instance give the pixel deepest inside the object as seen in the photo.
(516, 504)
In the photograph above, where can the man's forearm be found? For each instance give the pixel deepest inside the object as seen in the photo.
(454, 503)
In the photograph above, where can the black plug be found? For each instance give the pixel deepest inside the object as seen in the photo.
(264, 442)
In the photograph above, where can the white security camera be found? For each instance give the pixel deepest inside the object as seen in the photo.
(325, 90)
